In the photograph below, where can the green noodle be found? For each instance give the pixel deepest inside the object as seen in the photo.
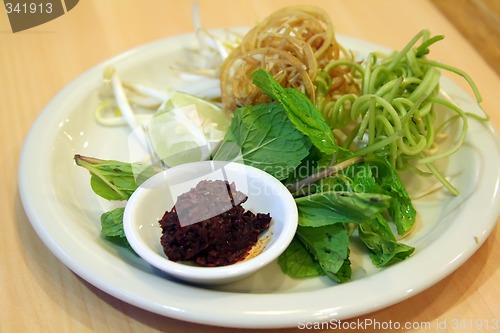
(394, 113)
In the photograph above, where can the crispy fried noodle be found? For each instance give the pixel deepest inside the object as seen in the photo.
(292, 44)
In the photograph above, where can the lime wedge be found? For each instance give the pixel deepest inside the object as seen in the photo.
(186, 129)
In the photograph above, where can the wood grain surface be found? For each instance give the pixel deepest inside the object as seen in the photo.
(39, 294)
(479, 22)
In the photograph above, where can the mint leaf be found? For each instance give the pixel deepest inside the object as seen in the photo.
(300, 110)
(376, 175)
(330, 247)
(263, 137)
(112, 228)
(114, 180)
(333, 207)
(401, 209)
(298, 262)
(384, 249)
(112, 223)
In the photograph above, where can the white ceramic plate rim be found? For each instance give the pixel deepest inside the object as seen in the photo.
(46, 211)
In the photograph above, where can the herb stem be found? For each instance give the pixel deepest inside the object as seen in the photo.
(89, 163)
(323, 173)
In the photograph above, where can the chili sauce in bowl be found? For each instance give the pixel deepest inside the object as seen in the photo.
(210, 222)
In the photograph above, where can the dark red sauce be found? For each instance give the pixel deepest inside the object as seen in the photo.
(223, 237)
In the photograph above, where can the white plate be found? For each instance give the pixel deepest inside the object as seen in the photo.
(65, 214)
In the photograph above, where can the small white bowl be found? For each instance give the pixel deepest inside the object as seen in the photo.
(158, 194)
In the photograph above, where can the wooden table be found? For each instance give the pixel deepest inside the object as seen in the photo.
(39, 294)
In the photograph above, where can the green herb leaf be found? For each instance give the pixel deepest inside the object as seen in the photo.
(298, 262)
(330, 247)
(112, 223)
(364, 180)
(384, 249)
(262, 136)
(300, 110)
(401, 209)
(333, 207)
(114, 180)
